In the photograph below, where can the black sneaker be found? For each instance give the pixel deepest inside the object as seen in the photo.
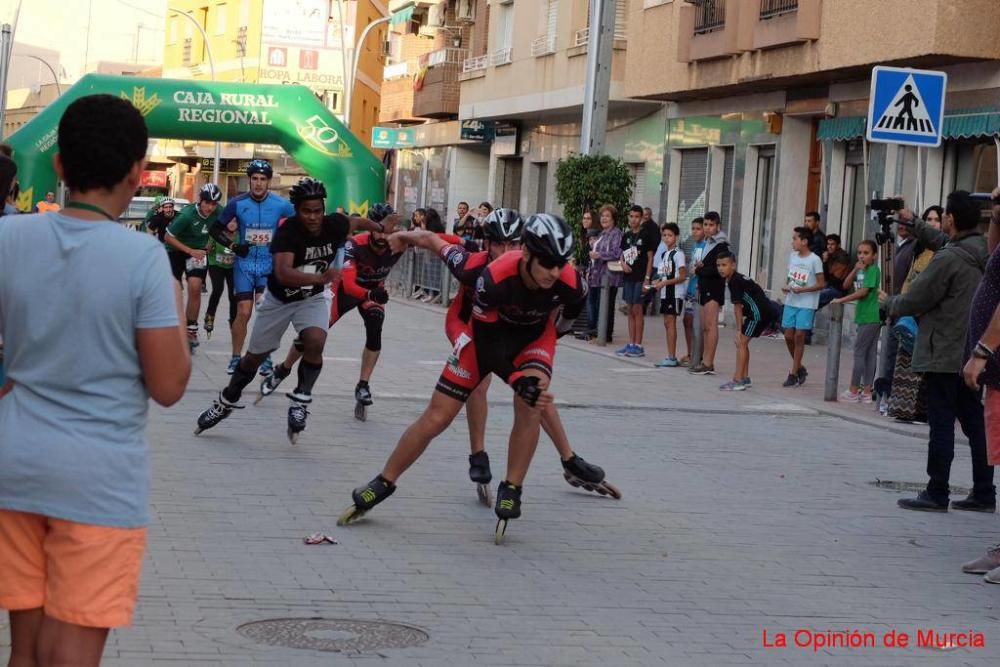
(973, 504)
(923, 503)
(790, 381)
(802, 375)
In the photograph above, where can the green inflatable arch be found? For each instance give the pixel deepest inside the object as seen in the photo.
(287, 115)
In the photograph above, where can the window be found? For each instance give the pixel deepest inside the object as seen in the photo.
(220, 19)
(709, 15)
(638, 172)
(505, 32)
(621, 20)
(545, 43)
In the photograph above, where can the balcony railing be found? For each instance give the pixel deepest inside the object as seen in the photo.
(583, 35)
(772, 8)
(709, 15)
(501, 56)
(397, 71)
(543, 45)
(447, 56)
(475, 64)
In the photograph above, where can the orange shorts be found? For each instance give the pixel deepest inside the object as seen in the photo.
(991, 413)
(81, 574)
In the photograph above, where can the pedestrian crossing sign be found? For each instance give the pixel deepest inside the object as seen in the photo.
(906, 106)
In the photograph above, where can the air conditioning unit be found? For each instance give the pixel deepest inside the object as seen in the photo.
(464, 11)
(435, 16)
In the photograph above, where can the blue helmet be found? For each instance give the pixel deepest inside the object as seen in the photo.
(258, 166)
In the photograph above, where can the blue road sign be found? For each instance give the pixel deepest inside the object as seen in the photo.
(906, 106)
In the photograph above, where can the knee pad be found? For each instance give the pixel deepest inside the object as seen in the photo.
(373, 317)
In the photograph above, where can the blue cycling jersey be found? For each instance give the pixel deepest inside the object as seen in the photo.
(257, 220)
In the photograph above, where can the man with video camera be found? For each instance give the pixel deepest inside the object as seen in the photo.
(941, 297)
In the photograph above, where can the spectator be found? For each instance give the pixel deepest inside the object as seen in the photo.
(647, 215)
(74, 469)
(433, 222)
(867, 278)
(905, 389)
(818, 243)
(836, 267)
(711, 292)
(8, 172)
(982, 369)
(753, 312)
(606, 252)
(48, 204)
(802, 286)
(694, 249)
(670, 278)
(638, 246)
(419, 219)
(461, 211)
(10, 198)
(590, 231)
(485, 208)
(941, 296)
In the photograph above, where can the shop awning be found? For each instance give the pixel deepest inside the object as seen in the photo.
(968, 124)
(841, 129)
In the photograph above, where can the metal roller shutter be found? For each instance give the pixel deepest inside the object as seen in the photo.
(691, 199)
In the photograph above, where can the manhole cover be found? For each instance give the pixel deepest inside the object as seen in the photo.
(333, 634)
(912, 486)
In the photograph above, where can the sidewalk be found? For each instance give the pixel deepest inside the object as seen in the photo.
(769, 365)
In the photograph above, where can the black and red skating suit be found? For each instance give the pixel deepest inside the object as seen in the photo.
(364, 270)
(466, 262)
(512, 327)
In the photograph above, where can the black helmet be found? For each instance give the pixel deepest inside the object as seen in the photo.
(210, 192)
(260, 167)
(307, 188)
(548, 237)
(503, 225)
(379, 212)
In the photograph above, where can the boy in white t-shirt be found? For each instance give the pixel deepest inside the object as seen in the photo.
(802, 287)
(670, 268)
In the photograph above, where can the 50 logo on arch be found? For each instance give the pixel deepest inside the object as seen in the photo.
(318, 134)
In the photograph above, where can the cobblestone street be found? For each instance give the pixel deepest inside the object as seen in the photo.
(742, 513)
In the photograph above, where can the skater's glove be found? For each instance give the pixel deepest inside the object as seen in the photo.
(378, 295)
(527, 388)
(241, 249)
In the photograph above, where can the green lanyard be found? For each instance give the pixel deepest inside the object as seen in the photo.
(83, 206)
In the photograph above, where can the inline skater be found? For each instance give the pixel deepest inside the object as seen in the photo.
(305, 249)
(220, 273)
(501, 232)
(252, 218)
(187, 243)
(367, 263)
(512, 333)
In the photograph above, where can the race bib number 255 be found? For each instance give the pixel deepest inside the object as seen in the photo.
(259, 237)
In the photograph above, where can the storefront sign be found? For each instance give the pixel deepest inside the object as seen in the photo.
(392, 137)
(153, 179)
(478, 130)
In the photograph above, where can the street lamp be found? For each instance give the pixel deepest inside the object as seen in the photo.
(349, 93)
(55, 78)
(211, 67)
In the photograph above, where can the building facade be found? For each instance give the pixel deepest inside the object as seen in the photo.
(767, 105)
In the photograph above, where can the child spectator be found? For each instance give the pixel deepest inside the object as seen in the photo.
(711, 292)
(866, 278)
(694, 249)
(670, 277)
(802, 287)
(638, 246)
(753, 312)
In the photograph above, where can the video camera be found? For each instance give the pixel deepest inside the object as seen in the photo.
(887, 205)
(886, 210)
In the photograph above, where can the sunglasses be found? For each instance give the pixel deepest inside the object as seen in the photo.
(550, 263)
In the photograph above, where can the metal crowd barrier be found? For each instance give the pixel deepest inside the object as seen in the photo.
(421, 275)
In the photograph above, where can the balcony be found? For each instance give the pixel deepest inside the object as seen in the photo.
(710, 15)
(436, 94)
(502, 57)
(772, 8)
(543, 45)
(397, 101)
(397, 71)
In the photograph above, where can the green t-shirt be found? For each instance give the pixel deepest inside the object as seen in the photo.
(867, 311)
(221, 256)
(190, 228)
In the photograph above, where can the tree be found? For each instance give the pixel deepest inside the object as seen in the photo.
(591, 181)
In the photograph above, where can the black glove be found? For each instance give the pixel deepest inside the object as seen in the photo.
(527, 388)
(378, 295)
(241, 249)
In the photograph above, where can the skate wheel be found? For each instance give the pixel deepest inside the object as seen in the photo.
(350, 515)
(293, 437)
(361, 412)
(572, 481)
(501, 529)
(198, 430)
(485, 495)
(611, 490)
